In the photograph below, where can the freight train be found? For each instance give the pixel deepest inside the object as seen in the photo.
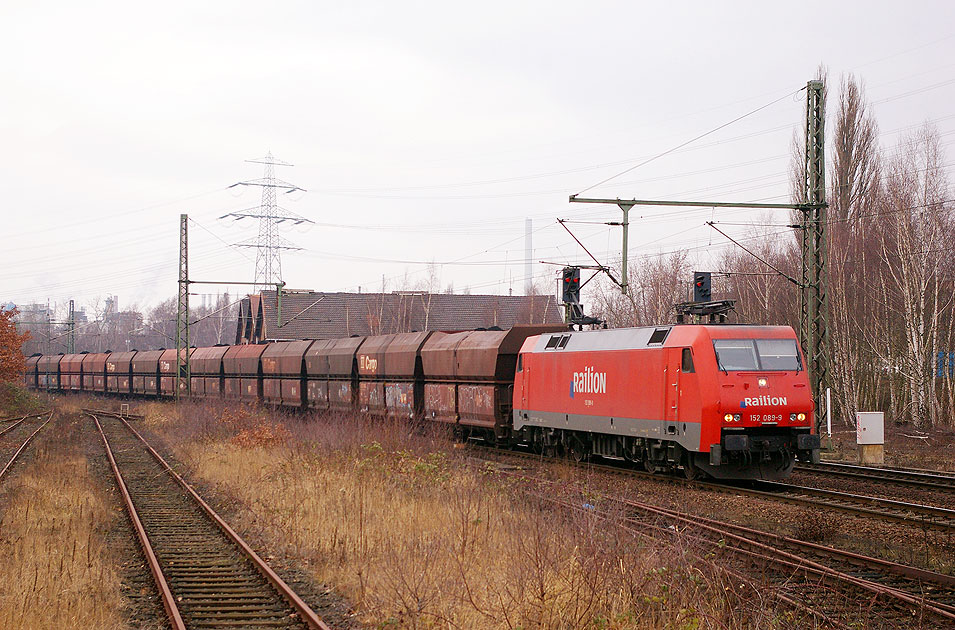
(728, 401)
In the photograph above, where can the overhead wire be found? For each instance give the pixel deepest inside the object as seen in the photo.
(540, 175)
(691, 141)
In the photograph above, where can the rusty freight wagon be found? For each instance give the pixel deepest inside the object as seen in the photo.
(94, 372)
(48, 369)
(404, 376)
(243, 370)
(371, 363)
(316, 374)
(440, 388)
(168, 368)
(71, 372)
(343, 373)
(469, 377)
(146, 372)
(283, 373)
(205, 366)
(30, 374)
(119, 372)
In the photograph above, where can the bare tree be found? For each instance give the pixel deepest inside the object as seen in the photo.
(854, 180)
(759, 279)
(917, 229)
(654, 288)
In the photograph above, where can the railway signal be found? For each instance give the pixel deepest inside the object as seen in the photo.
(570, 285)
(702, 286)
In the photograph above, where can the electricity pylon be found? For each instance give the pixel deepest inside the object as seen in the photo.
(268, 260)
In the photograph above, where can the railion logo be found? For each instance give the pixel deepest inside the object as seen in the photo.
(763, 401)
(588, 382)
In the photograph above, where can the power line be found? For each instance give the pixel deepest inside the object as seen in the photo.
(692, 140)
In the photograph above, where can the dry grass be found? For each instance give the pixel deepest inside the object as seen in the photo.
(55, 570)
(157, 414)
(905, 446)
(416, 538)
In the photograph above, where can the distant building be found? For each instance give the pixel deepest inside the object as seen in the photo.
(316, 315)
(35, 319)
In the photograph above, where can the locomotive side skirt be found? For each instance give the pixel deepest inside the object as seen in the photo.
(686, 434)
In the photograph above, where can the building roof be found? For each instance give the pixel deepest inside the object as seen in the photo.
(316, 315)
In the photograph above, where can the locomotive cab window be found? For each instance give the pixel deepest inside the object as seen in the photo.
(778, 354)
(687, 361)
(757, 354)
(520, 363)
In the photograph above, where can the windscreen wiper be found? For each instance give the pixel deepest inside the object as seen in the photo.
(719, 364)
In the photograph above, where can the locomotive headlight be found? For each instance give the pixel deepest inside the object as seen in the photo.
(800, 417)
(792, 417)
(728, 417)
(762, 382)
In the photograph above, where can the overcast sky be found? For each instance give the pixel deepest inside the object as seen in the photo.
(421, 131)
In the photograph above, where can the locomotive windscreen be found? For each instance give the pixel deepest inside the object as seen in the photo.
(757, 354)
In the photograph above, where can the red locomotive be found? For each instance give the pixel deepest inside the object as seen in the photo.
(730, 401)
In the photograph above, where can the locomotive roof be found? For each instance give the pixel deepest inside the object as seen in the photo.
(652, 336)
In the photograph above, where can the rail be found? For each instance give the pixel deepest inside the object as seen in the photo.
(902, 590)
(205, 572)
(917, 478)
(23, 446)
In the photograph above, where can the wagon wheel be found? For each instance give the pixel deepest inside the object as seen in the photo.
(648, 464)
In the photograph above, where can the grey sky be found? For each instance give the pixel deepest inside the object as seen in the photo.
(421, 130)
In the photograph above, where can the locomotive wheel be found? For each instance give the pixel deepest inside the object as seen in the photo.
(690, 471)
(577, 450)
(648, 464)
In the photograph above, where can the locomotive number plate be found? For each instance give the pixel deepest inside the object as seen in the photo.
(766, 417)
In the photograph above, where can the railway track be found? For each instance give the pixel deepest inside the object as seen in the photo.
(22, 435)
(911, 514)
(824, 580)
(208, 577)
(19, 418)
(907, 477)
(833, 585)
(914, 514)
